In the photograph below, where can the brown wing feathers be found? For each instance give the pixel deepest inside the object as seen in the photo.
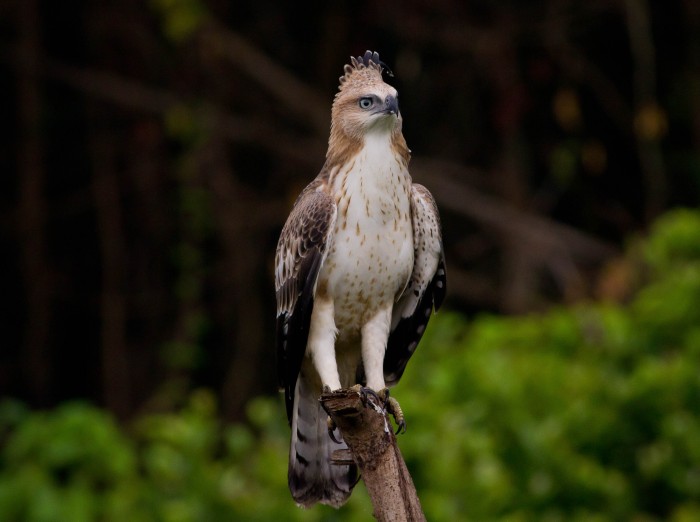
(300, 253)
(426, 288)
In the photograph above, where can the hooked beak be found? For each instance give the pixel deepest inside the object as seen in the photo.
(391, 105)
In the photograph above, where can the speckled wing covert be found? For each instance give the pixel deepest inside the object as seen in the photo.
(425, 290)
(301, 250)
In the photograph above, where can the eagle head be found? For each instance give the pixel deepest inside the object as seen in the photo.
(364, 102)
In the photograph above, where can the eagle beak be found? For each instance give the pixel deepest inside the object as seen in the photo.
(391, 105)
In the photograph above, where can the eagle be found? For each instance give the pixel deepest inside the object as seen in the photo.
(359, 269)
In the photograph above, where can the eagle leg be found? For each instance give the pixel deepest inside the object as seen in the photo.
(392, 406)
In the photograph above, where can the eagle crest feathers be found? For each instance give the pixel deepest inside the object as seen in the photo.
(364, 69)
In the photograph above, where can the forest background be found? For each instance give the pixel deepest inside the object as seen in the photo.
(152, 151)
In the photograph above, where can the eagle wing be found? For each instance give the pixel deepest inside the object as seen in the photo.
(301, 251)
(425, 290)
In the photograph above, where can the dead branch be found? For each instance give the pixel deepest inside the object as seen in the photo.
(368, 433)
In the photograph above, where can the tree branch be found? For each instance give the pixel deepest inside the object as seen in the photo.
(368, 433)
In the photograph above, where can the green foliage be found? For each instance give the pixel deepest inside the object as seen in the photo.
(74, 463)
(70, 464)
(585, 413)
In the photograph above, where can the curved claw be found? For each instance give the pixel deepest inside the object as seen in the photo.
(331, 429)
(392, 406)
(365, 391)
(330, 434)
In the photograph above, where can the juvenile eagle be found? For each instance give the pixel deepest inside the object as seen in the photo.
(358, 270)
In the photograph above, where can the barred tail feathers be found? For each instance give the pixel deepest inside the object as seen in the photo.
(312, 476)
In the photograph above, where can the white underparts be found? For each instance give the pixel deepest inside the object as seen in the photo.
(369, 263)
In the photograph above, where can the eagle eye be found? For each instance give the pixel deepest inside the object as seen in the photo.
(366, 102)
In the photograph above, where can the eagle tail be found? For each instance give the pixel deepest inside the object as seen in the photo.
(312, 476)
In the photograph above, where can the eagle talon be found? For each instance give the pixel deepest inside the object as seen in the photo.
(383, 395)
(401, 427)
(331, 428)
(392, 406)
(365, 391)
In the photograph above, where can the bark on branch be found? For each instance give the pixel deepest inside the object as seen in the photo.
(366, 429)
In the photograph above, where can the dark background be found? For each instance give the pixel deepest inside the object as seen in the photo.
(150, 152)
